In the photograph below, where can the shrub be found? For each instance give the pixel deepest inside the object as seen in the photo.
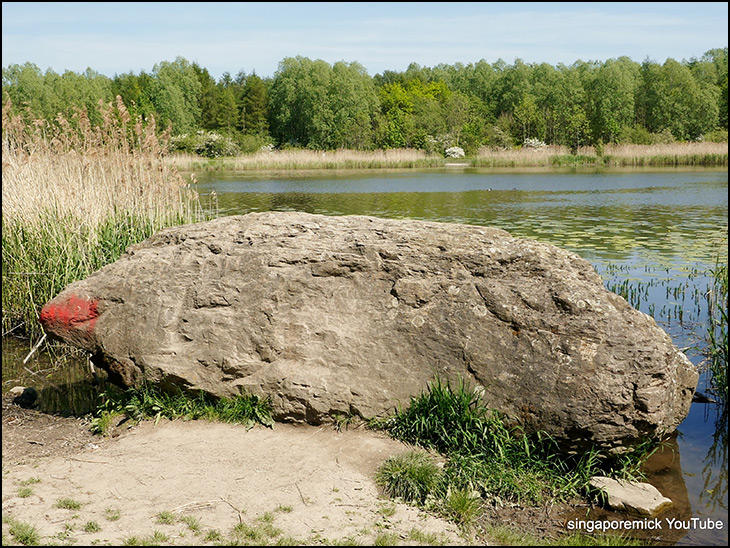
(716, 136)
(454, 152)
(205, 143)
(534, 144)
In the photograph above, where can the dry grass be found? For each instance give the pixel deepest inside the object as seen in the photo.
(524, 156)
(637, 155)
(673, 154)
(72, 170)
(311, 159)
(670, 149)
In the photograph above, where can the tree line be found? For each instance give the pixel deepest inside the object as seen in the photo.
(314, 104)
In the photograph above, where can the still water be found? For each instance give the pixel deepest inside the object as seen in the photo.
(653, 233)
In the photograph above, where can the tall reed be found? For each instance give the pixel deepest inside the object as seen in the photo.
(669, 155)
(74, 196)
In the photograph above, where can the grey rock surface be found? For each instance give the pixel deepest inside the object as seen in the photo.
(357, 314)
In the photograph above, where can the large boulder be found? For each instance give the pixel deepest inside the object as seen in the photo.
(356, 314)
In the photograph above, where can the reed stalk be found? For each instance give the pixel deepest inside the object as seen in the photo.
(717, 299)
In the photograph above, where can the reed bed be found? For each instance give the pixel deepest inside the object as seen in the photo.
(672, 154)
(74, 197)
(292, 159)
(706, 154)
(524, 157)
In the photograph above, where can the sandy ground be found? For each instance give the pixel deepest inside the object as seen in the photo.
(212, 482)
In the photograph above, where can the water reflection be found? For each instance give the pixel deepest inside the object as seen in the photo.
(64, 383)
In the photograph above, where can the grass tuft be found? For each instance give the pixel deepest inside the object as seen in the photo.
(68, 504)
(23, 533)
(412, 476)
(717, 351)
(150, 402)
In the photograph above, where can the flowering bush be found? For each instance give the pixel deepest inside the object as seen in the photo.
(535, 144)
(454, 152)
(205, 143)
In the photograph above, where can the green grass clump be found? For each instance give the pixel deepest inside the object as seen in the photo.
(412, 476)
(463, 505)
(23, 533)
(167, 518)
(150, 402)
(192, 522)
(262, 533)
(68, 504)
(487, 456)
(112, 514)
(92, 527)
(155, 539)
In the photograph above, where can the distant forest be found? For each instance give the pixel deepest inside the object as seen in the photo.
(313, 104)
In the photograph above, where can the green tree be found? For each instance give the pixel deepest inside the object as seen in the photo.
(511, 87)
(676, 101)
(353, 101)
(572, 128)
(136, 92)
(715, 77)
(458, 113)
(319, 106)
(526, 115)
(26, 87)
(175, 93)
(208, 98)
(226, 109)
(611, 92)
(254, 106)
(396, 105)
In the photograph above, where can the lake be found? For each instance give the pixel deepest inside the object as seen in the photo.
(652, 234)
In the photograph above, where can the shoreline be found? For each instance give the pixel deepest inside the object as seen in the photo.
(674, 156)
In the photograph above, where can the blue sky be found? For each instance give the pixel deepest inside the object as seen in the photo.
(115, 37)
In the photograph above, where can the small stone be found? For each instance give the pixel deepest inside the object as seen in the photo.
(27, 399)
(634, 497)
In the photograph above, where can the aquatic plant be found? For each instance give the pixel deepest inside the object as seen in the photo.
(717, 350)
